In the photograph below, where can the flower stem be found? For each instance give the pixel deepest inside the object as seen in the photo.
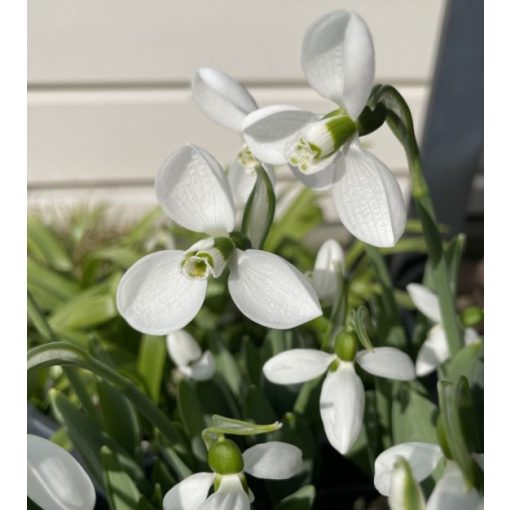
(399, 118)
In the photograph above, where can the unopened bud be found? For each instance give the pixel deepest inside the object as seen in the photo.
(471, 316)
(346, 345)
(225, 458)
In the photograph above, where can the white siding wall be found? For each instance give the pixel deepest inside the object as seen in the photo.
(109, 83)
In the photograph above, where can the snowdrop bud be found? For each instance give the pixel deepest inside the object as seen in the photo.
(225, 458)
(471, 316)
(207, 257)
(321, 139)
(405, 493)
(346, 345)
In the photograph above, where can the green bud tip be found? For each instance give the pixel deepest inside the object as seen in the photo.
(346, 345)
(321, 139)
(225, 458)
(471, 316)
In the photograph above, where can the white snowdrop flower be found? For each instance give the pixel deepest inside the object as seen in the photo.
(227, 102)
(164, 291)
(185, 352)
(434, 350)
(273, 460)
(55, 479)
(342, 399)
(450, 492)
(324, 151)
(329, 264)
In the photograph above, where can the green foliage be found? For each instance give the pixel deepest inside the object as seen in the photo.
(140, 426)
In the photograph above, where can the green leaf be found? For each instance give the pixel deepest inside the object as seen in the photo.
(450, 401)
(44, 245)
(300, 217)
(150, 365)
(302, 499)
(453, 253)
(37, 319)
(359, 323)
(226, 366)
(64, 353)
(468, 362)
(119, 256)
(413, 415)
(192, 416)
(42, 278)
(84, 311)
(120, 420)
(123, 493)
(174, 458)
(240, 427)
(259, 211)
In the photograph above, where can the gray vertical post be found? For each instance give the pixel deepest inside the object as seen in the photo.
(452, 142)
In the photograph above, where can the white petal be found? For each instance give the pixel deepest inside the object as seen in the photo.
(338, 59)
(422, 457)
(470, 336)
(155, 298)
(452, 493)
(433, 351)
(479, 459)
(270, 291)
(426, 301)
(221, 98)
(387, 362)
(322, 174)
(190, 493)
(55, 480)
(297, 366)
(182, 347)
(230, 496)
(328, 266)
(368, 198)
(271, 131)
(241, 182)
(202, 369)
(193, 190)
(342, 404)
(273, 460)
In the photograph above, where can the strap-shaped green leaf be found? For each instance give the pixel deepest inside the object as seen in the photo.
(45, 247)
(152, 356)
(64, 353)
(302, 499)
(413, 415)
(119, 417)
(360, 319)
(123, 494)
(259, 210)
(192, 416)
(452, 398)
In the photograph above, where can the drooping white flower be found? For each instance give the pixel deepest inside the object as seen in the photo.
(451, 491)
(55, 480)
(185, 352)
(329, 264)
(342, 399)
(164, 291)
(227, 102)
(434, 350)
(325, 151)
(273, 460)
